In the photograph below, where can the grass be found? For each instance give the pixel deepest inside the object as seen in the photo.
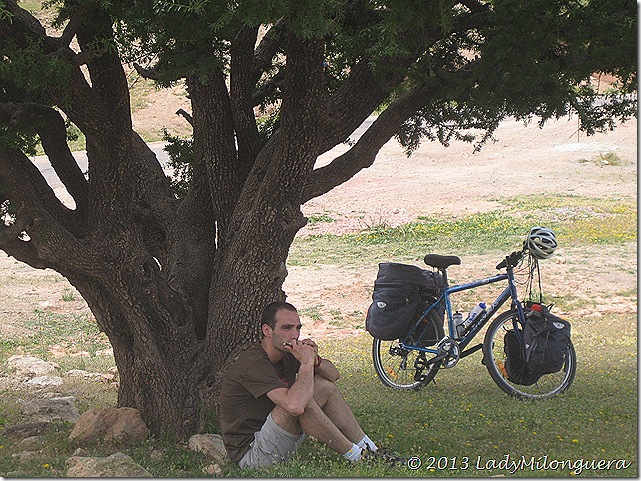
(460, 426)
(606, 159)
(576, 221)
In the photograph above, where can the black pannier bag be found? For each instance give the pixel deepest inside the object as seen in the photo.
(400, 291)
(516, 369)
(541, 348)
(547, 338)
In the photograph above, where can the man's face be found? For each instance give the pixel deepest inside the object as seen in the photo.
(287, 328)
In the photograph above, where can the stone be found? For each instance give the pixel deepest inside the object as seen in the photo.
(117, 465)
(24, 430)
(213, 470)
(26, 456)
(28, 367)
(156, 454)
(111, 425)
(211, 445)
(62, 408)
(29, 442)
(90, 376)
(45, 381)
(80, 452)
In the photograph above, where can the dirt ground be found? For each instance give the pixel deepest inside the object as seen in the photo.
(457, 181)
(395, 190)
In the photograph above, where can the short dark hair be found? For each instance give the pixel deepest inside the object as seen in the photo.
(269, 312)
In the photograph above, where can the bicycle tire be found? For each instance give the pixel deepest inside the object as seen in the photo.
(395, 365)
(549, 385)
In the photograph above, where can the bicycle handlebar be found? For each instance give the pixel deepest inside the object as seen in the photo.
(512, 260)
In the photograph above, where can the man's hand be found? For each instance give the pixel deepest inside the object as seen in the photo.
(306, 352)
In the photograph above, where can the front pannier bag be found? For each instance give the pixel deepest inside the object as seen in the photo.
(540, 348)
(399, 292)
(546, 341)
(516, 368)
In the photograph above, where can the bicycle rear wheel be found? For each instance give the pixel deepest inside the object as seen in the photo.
(398, 367)
(494, 356)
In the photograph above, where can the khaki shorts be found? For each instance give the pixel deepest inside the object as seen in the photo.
(271, 445)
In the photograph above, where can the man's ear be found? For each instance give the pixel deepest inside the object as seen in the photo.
(267, 331)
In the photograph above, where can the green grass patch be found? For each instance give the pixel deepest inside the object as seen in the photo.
(315, 219)
(460, 426)
(576, 221)
(465, 422)
(606, 159)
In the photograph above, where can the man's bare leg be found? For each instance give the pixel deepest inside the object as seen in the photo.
(315, 424)
(331, 401)
(327, 418)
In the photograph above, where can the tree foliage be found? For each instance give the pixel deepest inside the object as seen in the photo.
(177, 278)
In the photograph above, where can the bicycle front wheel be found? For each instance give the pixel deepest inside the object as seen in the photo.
(494, 356)
(403, 368)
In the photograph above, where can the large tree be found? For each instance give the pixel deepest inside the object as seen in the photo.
(177, 279)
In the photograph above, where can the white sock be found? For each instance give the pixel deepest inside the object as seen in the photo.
(354, 454)
(367, 443)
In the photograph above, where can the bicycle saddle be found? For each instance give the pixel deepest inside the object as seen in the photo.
(441, 262)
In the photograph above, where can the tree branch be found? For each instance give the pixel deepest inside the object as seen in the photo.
(271, 42)
(241, 85)
(187, 116)
(39, 213)
(215, 143)
(51, 128)
(363, 153)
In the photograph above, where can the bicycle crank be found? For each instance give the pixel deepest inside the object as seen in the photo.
(449, 351)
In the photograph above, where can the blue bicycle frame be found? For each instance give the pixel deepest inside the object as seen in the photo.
(478, 323)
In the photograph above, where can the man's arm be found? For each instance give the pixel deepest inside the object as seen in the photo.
(323, 367)
(295, 399)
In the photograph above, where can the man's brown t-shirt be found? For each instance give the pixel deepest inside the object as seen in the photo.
(244, 405)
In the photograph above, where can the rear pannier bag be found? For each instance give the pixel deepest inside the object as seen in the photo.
(400, 290)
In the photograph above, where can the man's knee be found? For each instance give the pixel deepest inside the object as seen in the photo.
(323, 390)
(286, 421)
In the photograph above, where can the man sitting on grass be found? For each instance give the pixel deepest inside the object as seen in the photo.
(280, 390)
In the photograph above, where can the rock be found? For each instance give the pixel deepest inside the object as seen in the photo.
(90, 376)
(24, 430)
(45, 381)
(26, 456)
(29, 442)
(117, 465)
(156, 454)
(112, 425)
(27, 367)
(213, 470)
(51, 394)
(80, 452)
(211, 445)
(62, 408)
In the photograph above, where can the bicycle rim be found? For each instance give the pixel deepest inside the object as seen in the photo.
(396, 366)
(547, 386)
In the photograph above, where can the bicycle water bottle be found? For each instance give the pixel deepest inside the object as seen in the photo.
(473, 313)
(457, 322)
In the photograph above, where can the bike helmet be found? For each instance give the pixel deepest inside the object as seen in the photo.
(541, 242)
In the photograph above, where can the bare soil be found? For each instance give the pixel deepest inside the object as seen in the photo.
(395, 190)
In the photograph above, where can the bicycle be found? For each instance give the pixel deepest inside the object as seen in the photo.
(412, 361)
